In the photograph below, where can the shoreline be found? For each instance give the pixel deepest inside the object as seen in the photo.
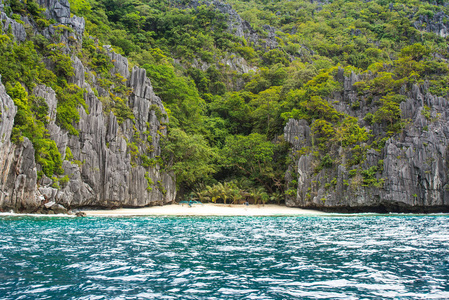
(214, 210)
(207, 209)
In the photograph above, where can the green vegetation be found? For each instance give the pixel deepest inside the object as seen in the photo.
(226, 125)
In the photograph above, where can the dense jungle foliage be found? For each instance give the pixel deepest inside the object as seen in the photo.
(229, 96)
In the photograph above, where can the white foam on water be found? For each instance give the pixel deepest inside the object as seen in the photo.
(13, 214)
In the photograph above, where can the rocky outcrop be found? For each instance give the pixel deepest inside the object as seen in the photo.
(239, 26)
(100, 170)
(104, 175)
(16, 28)
(412, 167)
(438, 23)
(17, 164)
(58, 10)
(120, 62)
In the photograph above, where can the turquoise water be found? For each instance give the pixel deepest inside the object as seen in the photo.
(369, 257)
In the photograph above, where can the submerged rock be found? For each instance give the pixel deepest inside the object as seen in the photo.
(80, 214)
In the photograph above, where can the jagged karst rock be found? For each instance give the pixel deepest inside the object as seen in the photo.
(437, 24)
(17, 29)
(100, 171)
(104, 176)
(49, 96)
(413, 163)
(120, 62)
(78, 68)
(19, 178)
(240, 27)
(59, 10)
(298, 133)
(78, 25)
(17, 165)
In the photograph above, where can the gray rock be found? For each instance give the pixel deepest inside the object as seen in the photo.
(437, 24)
(103, 176)
(78, 25)
(17, 165)
(120, 62)
(102, 172)
(298, 133)
(17, 29)
(240, 27)
(414, 164)
(50, 98)
(45, 181)
(59, 10)
(59, 209)
(79, 71)
(49, 204)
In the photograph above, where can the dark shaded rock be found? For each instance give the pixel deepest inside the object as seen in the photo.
(80, 214)
(59, 209)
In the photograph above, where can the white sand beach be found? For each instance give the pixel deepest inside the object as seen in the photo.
(206, 210)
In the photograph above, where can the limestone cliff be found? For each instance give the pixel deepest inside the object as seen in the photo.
(412, 168)
(241, 27)
(437, 24)
(101, 170)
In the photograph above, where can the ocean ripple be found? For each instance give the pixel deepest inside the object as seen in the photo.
(338, 257)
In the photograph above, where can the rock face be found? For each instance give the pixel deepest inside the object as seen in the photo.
(17, 164)
(17, 29)
(104, 175)
(59, 10)
(437, 24)
(100, 169)
(413, 165)
(240, 27)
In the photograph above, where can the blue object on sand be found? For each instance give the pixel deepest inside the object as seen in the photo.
(190, 202)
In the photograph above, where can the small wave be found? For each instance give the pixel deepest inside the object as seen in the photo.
(215, 258)
(13, 214)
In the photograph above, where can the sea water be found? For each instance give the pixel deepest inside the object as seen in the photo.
(321, 257)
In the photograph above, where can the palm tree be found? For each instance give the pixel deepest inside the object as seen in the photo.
(257, 194)
(276, 197)
(213, 193)
(236, 194)
(265, 197)
(202, 196)
(225, 190)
